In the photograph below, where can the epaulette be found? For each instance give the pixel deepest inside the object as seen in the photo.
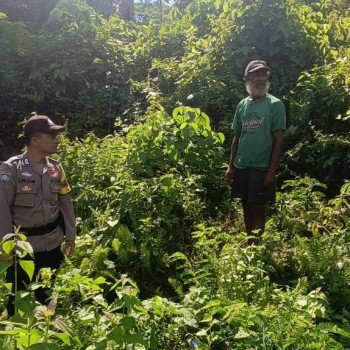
(53, 160)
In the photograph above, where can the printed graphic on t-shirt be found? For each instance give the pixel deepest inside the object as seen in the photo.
(252, 121)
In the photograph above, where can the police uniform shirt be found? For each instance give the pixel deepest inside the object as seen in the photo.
(32, 196)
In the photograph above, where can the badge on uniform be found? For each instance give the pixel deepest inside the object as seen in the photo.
(53, 171)
(26, 174)
(5, 177)
(26, 188)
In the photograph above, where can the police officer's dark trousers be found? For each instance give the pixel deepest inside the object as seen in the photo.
(52, 259)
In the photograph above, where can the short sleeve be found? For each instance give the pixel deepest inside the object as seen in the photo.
(237, 123)
(278, 116)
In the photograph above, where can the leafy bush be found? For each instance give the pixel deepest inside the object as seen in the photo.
(326, 159)
(292, 290)
(161, 259)
(321, 100)
(154, 185)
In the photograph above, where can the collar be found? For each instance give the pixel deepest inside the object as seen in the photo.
(257, 99)
(27, 163)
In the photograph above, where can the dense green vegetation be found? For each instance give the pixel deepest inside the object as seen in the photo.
(162, 260)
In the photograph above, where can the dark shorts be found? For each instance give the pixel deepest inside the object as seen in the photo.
(248, 185)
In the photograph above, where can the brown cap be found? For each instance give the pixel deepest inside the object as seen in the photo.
(41, 123)
(256, 65)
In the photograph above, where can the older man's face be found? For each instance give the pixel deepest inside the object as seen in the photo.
(257, 83)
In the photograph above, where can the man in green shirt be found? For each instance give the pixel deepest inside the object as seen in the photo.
(259, 124)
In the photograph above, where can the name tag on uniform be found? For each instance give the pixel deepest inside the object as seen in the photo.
(27, 181)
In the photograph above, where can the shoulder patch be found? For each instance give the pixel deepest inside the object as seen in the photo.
(52, 160)
(5, 177)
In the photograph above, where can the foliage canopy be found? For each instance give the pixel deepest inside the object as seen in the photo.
(162, 260)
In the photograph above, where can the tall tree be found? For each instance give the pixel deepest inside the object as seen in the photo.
(32, 12)
(126, 10)
(105, 7)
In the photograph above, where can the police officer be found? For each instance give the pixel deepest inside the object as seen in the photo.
(35, 195)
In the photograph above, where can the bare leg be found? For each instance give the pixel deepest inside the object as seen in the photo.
(254, 219)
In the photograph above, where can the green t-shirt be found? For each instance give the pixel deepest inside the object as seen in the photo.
(257, 121)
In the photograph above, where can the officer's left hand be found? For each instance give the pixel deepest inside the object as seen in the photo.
(69, 247)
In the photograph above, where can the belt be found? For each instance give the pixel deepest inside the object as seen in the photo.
(38, 231)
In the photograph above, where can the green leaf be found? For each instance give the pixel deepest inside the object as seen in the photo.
(181, 119)
(221, 137)
(100, 300)
(116, 244)
(176, 111)
(35, 337)
(25, 302)
(100, 280)
(101, 345)
(204, 121)
(118, 335)
(26, 246)
(128, 323)
(135, 338)
(4, 266)
(112, 223)
(10, 332)
(44, 346)
(28, 266)
(153, 341)
(241, 334)
(186, 133)
(64, 337)
(8, 247)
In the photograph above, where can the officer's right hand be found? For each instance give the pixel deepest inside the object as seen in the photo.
(8, 259)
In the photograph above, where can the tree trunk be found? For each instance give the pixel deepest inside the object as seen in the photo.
(126, 9)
